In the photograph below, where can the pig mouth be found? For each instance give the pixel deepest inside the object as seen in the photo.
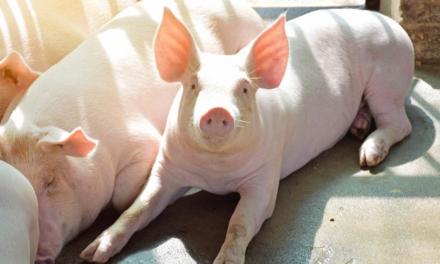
(44, 257)
(47, 252)
(44, 260)
(214, 141)
(216, 144)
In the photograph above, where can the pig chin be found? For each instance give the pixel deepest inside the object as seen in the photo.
(213, 143)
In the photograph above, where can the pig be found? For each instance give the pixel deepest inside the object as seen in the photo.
(241, 123)
(86, 132)
(19, 217)
(36, 34)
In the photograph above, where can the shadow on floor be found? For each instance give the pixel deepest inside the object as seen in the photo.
(429, 75)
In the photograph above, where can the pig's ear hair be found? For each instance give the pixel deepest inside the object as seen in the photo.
(75, 143)
(14, 69)
(268, 55)
(174, 49)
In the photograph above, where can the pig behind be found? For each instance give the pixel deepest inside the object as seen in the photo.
(241, 123)
(87, 131)
(19, 217)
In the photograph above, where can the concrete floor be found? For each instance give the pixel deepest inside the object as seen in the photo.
(330, 211)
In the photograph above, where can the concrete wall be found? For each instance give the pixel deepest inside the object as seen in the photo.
(391, 8)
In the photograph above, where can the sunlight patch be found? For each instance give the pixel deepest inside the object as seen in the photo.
(21, 24)
(17, 118)
(5, 30)
(172, 251)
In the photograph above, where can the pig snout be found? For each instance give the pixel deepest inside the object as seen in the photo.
(44, 260)
(50, 241)
(217, 122)
(44, 256)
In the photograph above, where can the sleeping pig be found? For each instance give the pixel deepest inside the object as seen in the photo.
(87, 131)
(243, 122)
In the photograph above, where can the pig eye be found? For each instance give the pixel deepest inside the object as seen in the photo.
(193, 83)
(245, 86)
(50, 183)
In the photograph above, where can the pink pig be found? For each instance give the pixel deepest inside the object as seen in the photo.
(241, 123)
(87, 131)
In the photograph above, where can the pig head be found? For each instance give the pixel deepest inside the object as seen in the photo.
(55, 163)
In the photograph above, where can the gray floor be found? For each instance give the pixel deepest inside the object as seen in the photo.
(330, 211)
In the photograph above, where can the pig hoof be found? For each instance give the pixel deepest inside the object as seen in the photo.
(372, 153)
(103, 248)
(361, 125)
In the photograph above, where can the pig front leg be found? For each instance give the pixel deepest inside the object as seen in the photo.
(257, 202)
(156, 195)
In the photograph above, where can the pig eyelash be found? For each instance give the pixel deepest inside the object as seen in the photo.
(250, 73)
(49, 185)
(241, 123)
(192, 68)
(50, 182)
(255, 78)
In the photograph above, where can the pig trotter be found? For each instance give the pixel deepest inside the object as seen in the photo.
(392, 128)
(109, 243)
(372, 153)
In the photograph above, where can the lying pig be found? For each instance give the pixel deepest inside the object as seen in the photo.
(108, 90)
(241, 123)
(35, 34)
(19, 217)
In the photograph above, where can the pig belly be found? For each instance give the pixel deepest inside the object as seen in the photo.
(19, 217)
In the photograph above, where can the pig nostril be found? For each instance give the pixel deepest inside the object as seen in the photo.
(209, 121)
(225, 123)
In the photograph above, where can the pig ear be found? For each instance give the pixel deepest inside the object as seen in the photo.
(268, 55)
(75, 143)
(174, 48)
(14, 69)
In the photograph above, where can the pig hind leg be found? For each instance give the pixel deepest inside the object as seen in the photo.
(386, 98)
(362, 123)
